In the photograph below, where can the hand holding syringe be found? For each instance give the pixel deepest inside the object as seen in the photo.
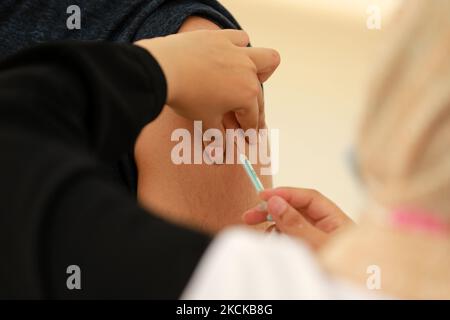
(302, 213)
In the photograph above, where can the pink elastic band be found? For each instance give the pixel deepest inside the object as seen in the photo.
(420, 221)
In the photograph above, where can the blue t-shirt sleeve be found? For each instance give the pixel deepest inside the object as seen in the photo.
(170, 15)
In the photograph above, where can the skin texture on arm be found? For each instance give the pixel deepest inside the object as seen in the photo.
(206, 197)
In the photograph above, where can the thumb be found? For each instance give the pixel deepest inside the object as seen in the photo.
(265, 60)
(291, 222)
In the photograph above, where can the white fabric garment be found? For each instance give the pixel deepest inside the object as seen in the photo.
(242, 264)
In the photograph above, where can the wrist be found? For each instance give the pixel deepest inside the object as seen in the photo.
(155, 47)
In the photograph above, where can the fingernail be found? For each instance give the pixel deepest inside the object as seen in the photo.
(277, 206)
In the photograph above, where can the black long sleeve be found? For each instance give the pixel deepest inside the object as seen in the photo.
(65, 111)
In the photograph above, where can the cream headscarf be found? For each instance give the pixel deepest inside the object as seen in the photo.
(404, 159)
(404, 146)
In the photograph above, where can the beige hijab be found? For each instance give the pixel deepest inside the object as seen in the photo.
(404, 157)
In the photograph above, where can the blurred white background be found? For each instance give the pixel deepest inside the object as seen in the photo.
(317, 96)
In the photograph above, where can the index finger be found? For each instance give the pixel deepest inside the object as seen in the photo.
(254, 216)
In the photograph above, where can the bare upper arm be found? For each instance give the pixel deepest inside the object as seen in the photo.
(197, 23)
(208, 197)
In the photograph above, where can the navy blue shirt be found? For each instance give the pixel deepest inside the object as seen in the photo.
(26, 23)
